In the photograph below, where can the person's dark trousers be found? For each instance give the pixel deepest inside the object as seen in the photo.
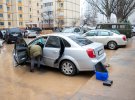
(33, 61)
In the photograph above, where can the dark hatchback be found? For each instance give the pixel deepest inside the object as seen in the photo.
(12, 34)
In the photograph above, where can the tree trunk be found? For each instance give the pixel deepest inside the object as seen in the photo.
(108, 19)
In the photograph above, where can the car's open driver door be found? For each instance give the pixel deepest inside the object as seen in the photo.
(20, 51)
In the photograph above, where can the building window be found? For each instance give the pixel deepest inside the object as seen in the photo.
(2, 23)
(61, 4)
(19, 8)
(37, 4)
(30, 16)
(38, 19)
(8, 15)
(20, 23)
(1, 7)
(1, 15)
(9, 23)
(8, 8)
(7, 1)
(19, 0)
(48, 4)
(20, 15)
(30, 9)
(38, 11)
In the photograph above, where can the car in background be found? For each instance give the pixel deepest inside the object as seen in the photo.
(80, 54)
(109, 38)
(133, 31)
(37, 29)
(123, 28)
(75, 30)
(12, 34)
(30, 34)
(1, 43)
(2, 34)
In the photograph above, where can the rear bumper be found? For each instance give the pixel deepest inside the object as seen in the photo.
(90, 66)
(122, 44)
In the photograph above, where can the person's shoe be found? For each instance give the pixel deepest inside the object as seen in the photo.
(107, 83)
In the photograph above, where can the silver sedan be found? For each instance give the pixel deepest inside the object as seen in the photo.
(80, 54)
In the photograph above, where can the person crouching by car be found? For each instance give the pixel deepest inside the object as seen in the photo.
(35, 55)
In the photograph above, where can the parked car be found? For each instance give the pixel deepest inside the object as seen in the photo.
(77, 30)
(2, 34)
(12, 34)
(80, 53)
(133, 31)
(30, 33)
(1, 43)
(109, 38)
(123, 28)
(37, 29)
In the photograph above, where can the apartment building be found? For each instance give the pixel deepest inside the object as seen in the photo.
(19, 13)
(60, 13)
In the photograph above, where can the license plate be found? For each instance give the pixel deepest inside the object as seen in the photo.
(100, 52)
(15, 34)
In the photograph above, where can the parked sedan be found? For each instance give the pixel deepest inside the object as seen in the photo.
(73, 30)
(80, 54)
(30, 33)
(109, 38)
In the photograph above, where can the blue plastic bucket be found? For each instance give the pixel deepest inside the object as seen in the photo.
(101, 72)
(103, 76)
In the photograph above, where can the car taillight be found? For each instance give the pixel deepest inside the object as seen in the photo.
(91, 53)
(124, 38)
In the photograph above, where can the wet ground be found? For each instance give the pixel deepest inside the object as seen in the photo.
(122, 72)
(17, 83)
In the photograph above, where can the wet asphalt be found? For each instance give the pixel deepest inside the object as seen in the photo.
(17, 83)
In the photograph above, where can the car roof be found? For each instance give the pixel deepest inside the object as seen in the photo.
(100, 30)
(61, 34)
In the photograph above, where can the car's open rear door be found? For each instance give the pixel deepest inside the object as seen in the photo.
(20, 51)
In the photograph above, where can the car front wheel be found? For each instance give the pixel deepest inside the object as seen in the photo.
(112, 45)
(68, 68)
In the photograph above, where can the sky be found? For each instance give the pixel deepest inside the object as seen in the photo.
(102, 18)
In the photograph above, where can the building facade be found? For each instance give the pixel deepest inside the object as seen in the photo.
(60, 13)
(20, 13)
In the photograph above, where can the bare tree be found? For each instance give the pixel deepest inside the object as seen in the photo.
(59, 24)
(74, 22)
(47, 17)
(105, 7)
(124, 9)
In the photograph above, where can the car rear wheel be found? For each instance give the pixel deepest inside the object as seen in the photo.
(112, 45)
(68, 68)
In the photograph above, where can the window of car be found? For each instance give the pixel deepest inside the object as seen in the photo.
(90, 33)
(66, 43)
(103, 33)
(39, 40)
(53, 41)
(77, 30)
(68, 30)
(14, 30)
(80, 40)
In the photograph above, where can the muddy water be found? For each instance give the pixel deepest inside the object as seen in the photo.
(17, 83)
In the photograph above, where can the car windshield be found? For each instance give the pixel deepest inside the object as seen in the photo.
(14, 30)
(115, 31)
(80, 40)
(68, 30)
(31, 30)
